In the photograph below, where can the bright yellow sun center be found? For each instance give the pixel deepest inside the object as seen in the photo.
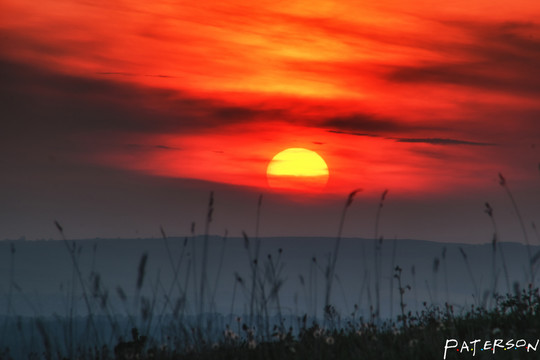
(297, 169)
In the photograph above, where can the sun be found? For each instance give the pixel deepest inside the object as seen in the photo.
(297, 169)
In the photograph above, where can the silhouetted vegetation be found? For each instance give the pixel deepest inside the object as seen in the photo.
(163, 326)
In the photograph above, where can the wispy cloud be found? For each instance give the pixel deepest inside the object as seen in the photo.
(500, 57)
(69, 104)
(440, 141)
(432, 141)
(236, 78)
(150, 147)
(368, 125)
(134, 74)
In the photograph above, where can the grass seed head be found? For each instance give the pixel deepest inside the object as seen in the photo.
(351, 197)
(162, 232)
(246, 240)
(436, 263)
(383, 196)
(502, 180)
(121, 294)
(463, 253)
(211, 200)
(141, 270)
(488, 210)
(59, 227)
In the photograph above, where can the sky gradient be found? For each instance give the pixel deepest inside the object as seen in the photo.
(121, 117)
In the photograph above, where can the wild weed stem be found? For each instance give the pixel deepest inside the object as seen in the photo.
(332, 262)
(254, 263)
(378, 255)
(204, 260)
(471, 275)
(503, 183)
(71, 251)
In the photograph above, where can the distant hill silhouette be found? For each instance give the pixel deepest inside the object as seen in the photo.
(436, 272)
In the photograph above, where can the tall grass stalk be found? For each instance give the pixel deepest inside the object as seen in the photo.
(494, 276)
(430, 293)
(332, 262)
(363, 285)
(503, 183)
(343, 294)
(436, 264)
(254, 263)
(123, 298)
(101, 296)
(377, 252)
(378, 255)
(391, 281)
(220, 265)
(471, 275)
(497, 245)
(258, 219)
(149, 305)
(237, 280)
(535, 230)
(313, 286)
(168, 293)
(94, 251)
(445, 269)
(535, 260)
(273, 273)
(305, 293)
(186, 286)
(402, 290)
(9, 306)
(72, 253)
(48, 350)
(263, 307)
(141, 273)
(415, 289)
(180, 305)
(71, 308)
(258, 293)
(173, 268)
(204, 273)
(193, 264)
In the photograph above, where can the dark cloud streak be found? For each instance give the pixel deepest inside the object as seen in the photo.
(441, 141)
(134, 74)
(367, 125)
(52, 103)
(352, 133)
(432, 141)
(145, 147)
(502, 57)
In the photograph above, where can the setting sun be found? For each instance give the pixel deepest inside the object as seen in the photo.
(297, 169)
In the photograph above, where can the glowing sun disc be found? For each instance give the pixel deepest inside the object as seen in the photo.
(297, 169)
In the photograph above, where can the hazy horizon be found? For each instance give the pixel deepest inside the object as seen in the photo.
(43, 285)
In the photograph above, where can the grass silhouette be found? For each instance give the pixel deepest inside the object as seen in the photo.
(168, 323)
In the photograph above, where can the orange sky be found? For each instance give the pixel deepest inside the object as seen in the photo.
(421, 97)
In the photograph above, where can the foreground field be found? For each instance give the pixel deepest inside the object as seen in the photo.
(208, 297)
(508, 331)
